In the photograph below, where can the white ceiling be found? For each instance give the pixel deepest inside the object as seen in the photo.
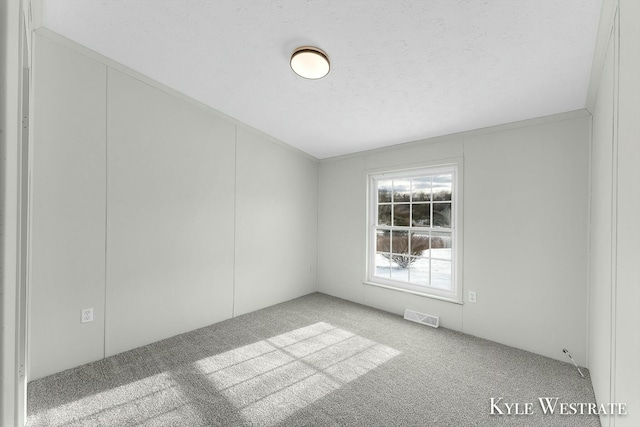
(400, 70)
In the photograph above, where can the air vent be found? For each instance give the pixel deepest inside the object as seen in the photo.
(425, 319)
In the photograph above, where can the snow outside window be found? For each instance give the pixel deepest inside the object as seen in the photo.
(413, 240)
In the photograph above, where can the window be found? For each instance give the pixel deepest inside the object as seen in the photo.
(413, 231)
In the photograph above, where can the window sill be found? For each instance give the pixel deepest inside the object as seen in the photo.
(421, 294)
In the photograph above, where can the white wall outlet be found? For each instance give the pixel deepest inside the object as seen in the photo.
(87, 315)
(472, 296)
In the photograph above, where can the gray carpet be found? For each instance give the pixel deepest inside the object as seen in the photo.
(312, 361)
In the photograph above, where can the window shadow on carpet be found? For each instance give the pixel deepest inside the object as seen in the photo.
(271, 379)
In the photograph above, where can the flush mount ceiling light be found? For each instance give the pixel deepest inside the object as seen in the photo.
(310, 62)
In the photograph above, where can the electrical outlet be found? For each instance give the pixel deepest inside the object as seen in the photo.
(472, 296)
(87, 315)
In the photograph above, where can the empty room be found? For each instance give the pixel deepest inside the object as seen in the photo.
(320, 213)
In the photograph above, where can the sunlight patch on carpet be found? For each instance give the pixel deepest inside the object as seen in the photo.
(270, 380)
(152, 397)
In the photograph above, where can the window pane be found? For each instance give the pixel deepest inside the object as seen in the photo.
(442, 215)
(383, 266)
(401, 190)
(397, 271)
(384, 191)
(421, 189)
(413, 229)
(383, 241)
(400, 242)
(384, 214)
(441, 274)
(421, 215)
(401, 215)
(442, 187)
(441, 245)
(419, 271)
(419, 242)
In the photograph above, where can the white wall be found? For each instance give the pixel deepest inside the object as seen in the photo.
(124, 163)
(627, 292)
(276, 224)
(601, 236)
(170, 215)
(525, 251)
(614, 315)
(525, 245)
(68, 206)
(11, 405)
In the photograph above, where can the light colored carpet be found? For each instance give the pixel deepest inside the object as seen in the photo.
(312, 361)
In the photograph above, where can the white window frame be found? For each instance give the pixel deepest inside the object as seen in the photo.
(454, 167)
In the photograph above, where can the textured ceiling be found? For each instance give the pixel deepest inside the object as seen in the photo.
(400, 70)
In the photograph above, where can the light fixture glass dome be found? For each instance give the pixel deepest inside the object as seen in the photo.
(310, 62)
